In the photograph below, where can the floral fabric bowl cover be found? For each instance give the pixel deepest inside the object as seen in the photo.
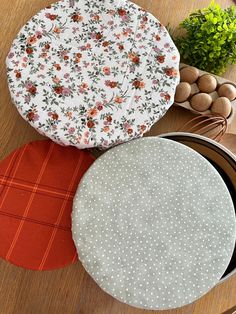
(93, 73)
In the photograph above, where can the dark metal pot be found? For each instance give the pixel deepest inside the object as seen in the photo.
(225, 163)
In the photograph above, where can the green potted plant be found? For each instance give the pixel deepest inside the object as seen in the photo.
(209, 42)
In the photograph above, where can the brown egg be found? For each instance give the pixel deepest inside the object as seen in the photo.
(189, 74)
(182, 92)
(201, 102)
(227, 90)
(207, 83)
(222, 106)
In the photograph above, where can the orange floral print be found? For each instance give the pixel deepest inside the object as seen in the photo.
(90, 124)
(57, 30)
(18, 74)
(122, 12)
(107, 70)
(89, 76)
(105, 43)
(96, 17)
(109, 118)
(31, 40)
(58, 89)
(56, 80)
(161, 59)
(77, 18)
(29, 50)
(111, 84)
(106, 129)
(98, 36)
(57, 66)
(92, 112)
(134, 57)
(118, 100)
(172, 72)
(138, 84)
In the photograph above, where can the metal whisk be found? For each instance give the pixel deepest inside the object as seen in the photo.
(212, 126)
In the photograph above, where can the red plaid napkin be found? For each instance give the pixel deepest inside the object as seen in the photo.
(37, 186)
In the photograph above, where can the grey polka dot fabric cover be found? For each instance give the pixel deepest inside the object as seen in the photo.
(154, 224)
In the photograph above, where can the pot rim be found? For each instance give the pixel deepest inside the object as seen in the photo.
(231, 159)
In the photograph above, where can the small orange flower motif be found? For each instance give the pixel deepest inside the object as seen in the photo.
(106, 70)
(18, 74)
(57, 66)
(145, 19)
(138, 84)
(161, 59)
(121, 47)
(106, 129)
(92, 112)
(77, 18)
(32, 90)
(142, 84)
(143, 127)
(167, 97)
(109, 118)
(56, 80)
(96, 17)
(55, 116)
(157, 37)
(78, 57)
(118, 100)
(172, 72)
(84, 85)
(105, 43)
(122, 12)
(134, 57)
(69, 114)
(90, 124)
(31, 40)
(57, 30)
(29, 50)
(52, 17)
(58, 89)
(30, 116)
(98, 36)
(44, 55)
(113, 84)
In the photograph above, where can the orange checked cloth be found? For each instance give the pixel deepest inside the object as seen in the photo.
(37, 186)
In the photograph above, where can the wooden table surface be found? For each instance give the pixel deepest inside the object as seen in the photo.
(71, 290)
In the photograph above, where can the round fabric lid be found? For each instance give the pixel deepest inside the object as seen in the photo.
(37, 186)
(93, 73)
(154, 224)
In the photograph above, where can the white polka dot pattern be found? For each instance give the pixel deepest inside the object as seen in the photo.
(154, 224)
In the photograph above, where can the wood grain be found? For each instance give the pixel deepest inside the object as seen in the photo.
(71, 290)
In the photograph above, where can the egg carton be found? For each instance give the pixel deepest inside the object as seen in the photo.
(214, 95)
